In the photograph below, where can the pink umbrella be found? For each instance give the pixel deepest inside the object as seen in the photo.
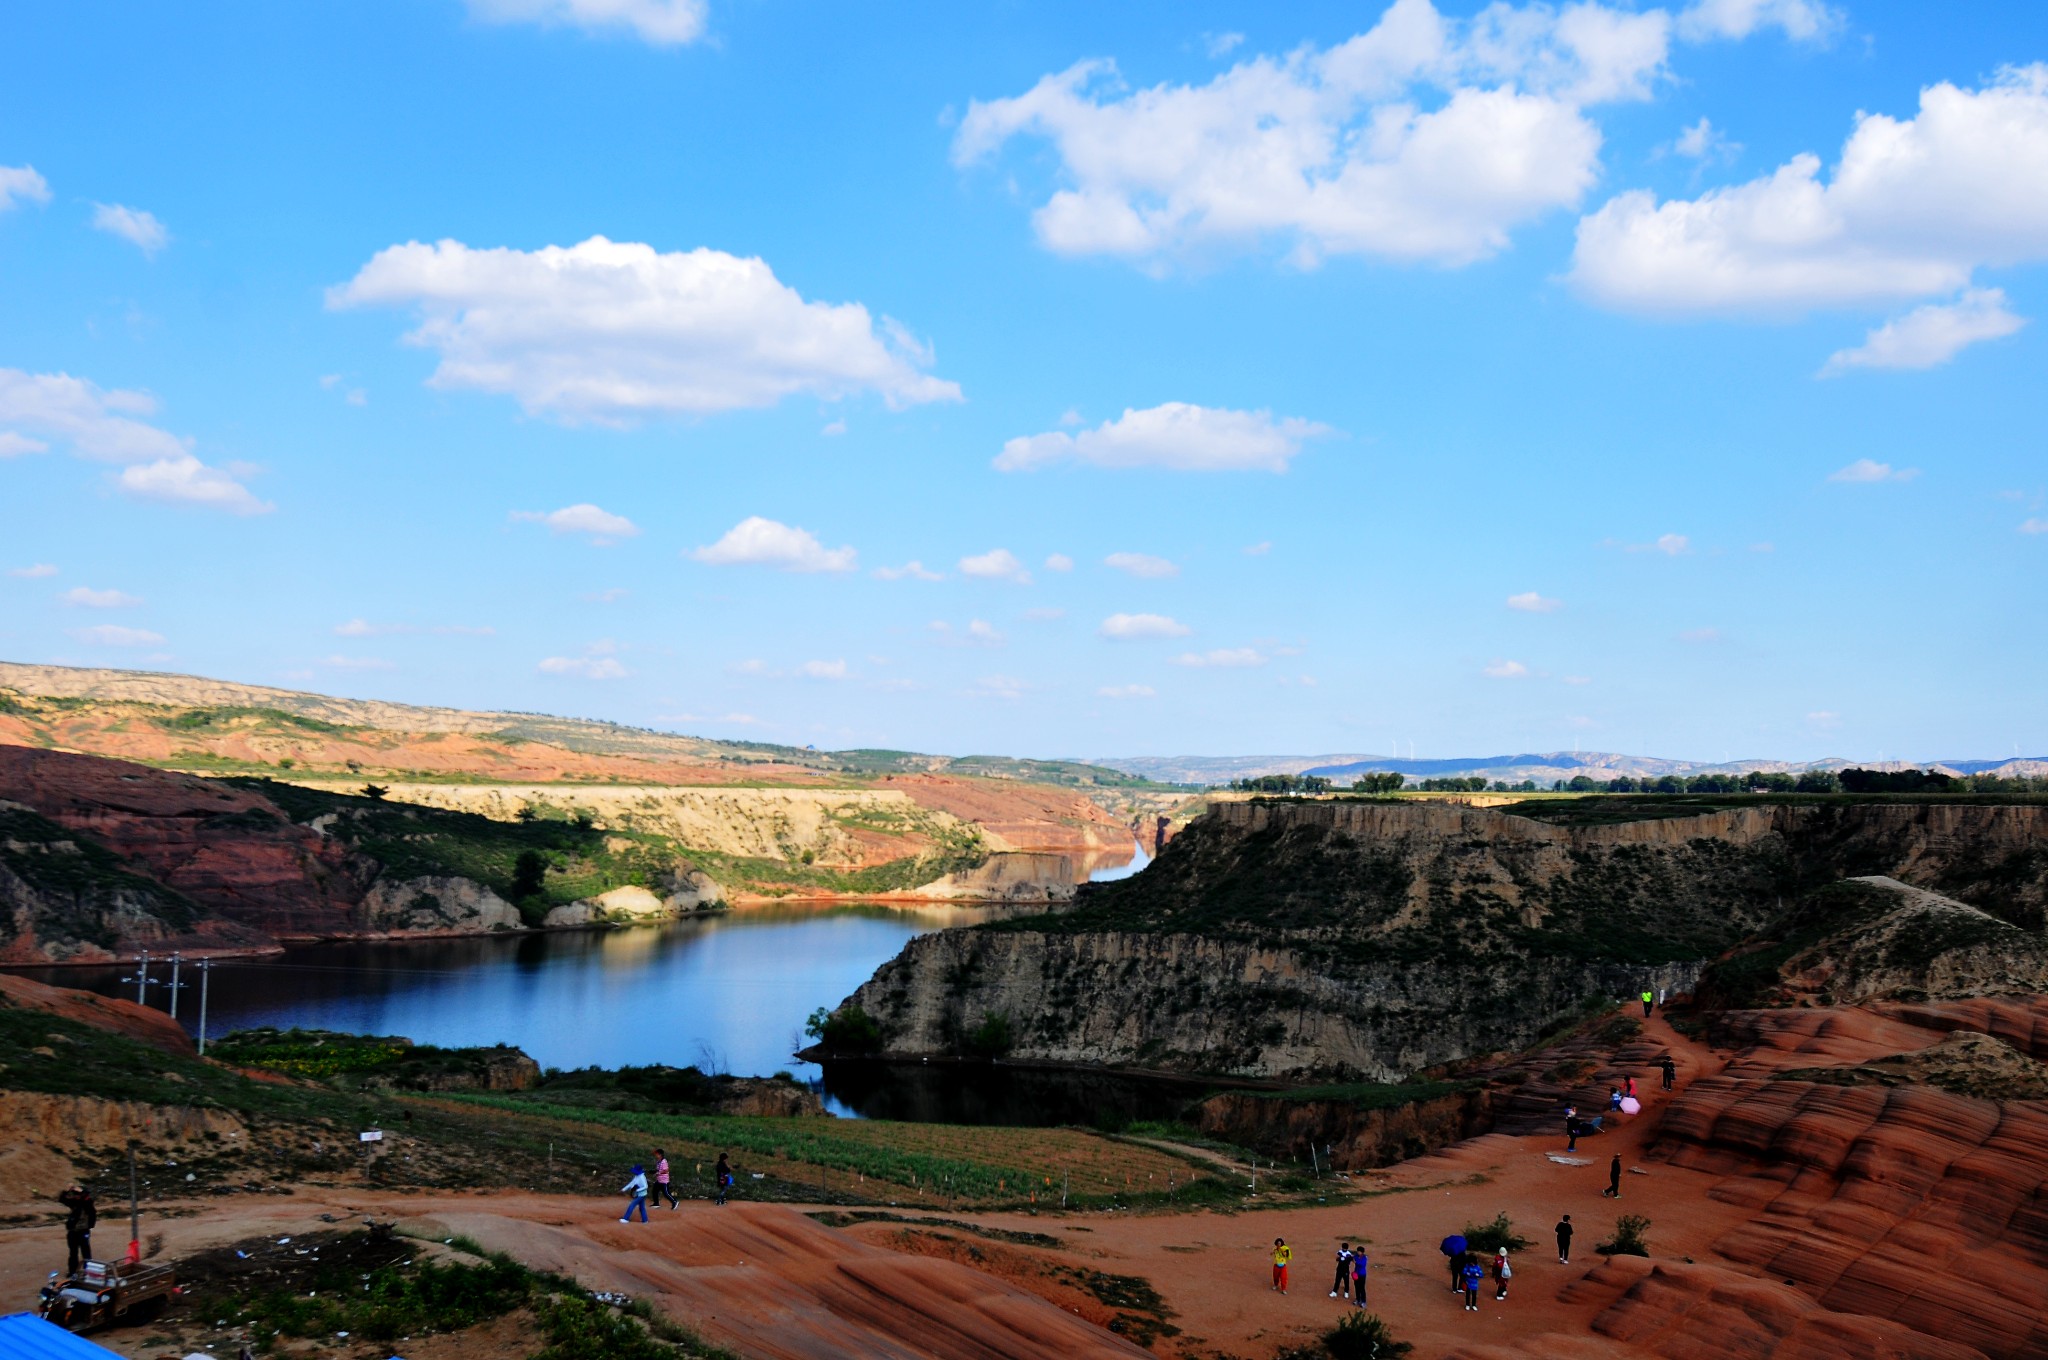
(1630, 1105)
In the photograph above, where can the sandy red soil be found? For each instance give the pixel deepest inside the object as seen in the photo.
(1787, 1219)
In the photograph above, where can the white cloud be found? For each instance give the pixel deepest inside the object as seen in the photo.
(1865, 470)
(1930, 336)
(1224, 657)
(359, 628)
(1529, 602)
(1059, 562)
(999, 687)
(1912, 209)
(825, 670)
(87, 598)
(832, 429)
(1142, 565)
(662, 23)
(35, 572)
(1127, 692)
(1802, 20)
(611, 332)
(140, 229)
(1176, 436)
(1507, 670)
(755, 541)
(2035, 525)
(602, 527)
(978, 633)
(1825, 718)
(1222, 44)
(997, 564)
(101, 424)
(583, 667)
(1259, 549)
(1142, 627)
(13, 445)
(1425, 138)
(912, 570)
(21, 184)
(114, 635)
(1700, 635)
(1703, 141)
(359, 663)
(609, 595)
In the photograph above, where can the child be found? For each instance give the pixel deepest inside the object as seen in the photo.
(1341, 1287)
(1502, 1273)
(723, 1175)
(1472, 1275)
(1282, 1254)
(661, 1185)
(637, 1188)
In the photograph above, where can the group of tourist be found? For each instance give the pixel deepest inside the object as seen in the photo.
(636, 1188)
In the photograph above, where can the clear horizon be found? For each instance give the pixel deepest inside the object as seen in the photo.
(1636, 377)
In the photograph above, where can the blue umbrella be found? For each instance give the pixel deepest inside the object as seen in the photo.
(1454, 1245)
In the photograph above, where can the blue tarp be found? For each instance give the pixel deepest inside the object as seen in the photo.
(24, 1336)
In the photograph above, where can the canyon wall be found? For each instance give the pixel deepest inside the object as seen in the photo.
(1363, 939)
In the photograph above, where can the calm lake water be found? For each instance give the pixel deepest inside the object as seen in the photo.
(726, 992)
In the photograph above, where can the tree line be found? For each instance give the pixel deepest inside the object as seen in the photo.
(1854, 780)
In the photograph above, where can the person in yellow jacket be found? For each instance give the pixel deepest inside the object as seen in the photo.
(1282, 1254)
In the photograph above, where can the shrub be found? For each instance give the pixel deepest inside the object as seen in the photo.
(1499, 1235)
(846, 1030)
(1628, 1237)
(1363, 1336)
(992, 1037)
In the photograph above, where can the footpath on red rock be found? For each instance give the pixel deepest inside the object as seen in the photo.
(1804, 1196)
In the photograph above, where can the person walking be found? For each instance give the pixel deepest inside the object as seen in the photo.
(1340, 1288)
(722, 1175)
(1502, 1273)
(1564, 1240)
(1670, 1071)
(1358, 1265)
(637, 1188)
(81, 1215)
(1472, 1275)
(1282, 1254)
(662, 1187)
(1613, 1190)
(1649, 999)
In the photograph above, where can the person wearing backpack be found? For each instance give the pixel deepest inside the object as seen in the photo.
(1502, 1273)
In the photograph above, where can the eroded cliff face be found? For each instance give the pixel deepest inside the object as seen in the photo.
(1370, 940)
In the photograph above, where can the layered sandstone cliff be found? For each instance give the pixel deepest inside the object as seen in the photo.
(1371, 939)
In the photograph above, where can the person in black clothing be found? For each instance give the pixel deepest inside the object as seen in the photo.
(1670, 1071)
(1564, 1240)
(1572, 1129)
(723, 1175)
(1613, 1190)
(81, 1216)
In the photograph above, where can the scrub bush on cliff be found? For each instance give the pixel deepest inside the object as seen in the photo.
(846, 1030)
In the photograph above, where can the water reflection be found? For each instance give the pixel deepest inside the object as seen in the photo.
(1002, 1093)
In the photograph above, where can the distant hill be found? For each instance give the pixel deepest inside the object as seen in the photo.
(1544, 767)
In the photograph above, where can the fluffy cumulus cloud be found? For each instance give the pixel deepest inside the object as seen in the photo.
(1529, 602)
(759, 542)
(1059, 562)
(1175, 436)
(86, 597)
(611, 332)
(140, 229)
(1911, 209)
(1423, 138)
(913, 570)
(1507, 670)
(34, 572)
(600, 526)
(997, 564)
(1142, 627)
(1142, 565)
(1930, 336)
(104, 425)
(2034, 525)
(21, 184)
(1805, 20)
(663, 23)
(1867, 470)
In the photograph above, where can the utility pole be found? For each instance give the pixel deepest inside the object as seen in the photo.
(141, 979)
(176, 958)
(206, 976)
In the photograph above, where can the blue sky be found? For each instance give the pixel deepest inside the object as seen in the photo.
(1251, 378)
